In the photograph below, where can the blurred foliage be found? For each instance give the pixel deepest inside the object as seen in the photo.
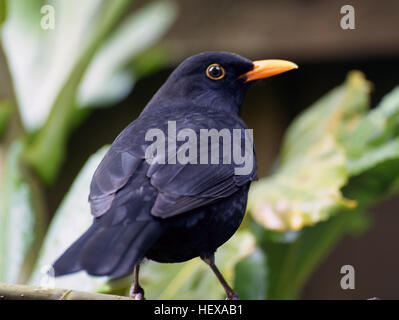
(367, 172)
(306, 188)
(293, 258)
(16, 218)
(375, 140)
(2, 11)
(72, 218)
(337, 157)
(318, 178)
(6, 110)
(77, 65)
(59, 75)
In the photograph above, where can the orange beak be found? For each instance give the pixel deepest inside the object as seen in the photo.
(268, 68)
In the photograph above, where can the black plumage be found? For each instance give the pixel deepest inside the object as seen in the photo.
(168, 212)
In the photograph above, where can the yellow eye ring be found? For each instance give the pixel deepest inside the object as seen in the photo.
(215, 71)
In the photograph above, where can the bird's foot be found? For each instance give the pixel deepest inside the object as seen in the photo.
(137, 296)
(137, 293)
(232, 296)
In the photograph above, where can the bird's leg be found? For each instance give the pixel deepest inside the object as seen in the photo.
(136, 292)
(210, 260)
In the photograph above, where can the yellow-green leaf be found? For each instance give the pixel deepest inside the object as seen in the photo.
(375, 139)
(306, 188)
(3, 11)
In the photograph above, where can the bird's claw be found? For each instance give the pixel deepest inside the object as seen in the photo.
(137, 293)
(232, 296)
(137, 296)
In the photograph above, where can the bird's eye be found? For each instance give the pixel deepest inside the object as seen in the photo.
(215, 72)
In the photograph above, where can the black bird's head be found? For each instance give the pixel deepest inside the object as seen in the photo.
(216, 80)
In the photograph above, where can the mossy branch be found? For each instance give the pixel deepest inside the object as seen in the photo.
(22, 292)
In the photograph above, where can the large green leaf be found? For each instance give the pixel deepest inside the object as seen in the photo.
(17, 217)
(369, 159)
(291, 263)
(375, 139)
(55, 72)
(54, 60)
(70, 221)
(107, 78)
(306, 188)
(40, 61)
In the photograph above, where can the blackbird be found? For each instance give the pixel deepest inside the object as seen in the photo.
(172, 211)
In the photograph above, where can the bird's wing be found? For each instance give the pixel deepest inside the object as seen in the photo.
(181, 187)
(184, 187)
(111, 175)
(118, 165)
(190, 187)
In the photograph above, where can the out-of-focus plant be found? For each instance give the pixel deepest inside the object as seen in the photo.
(312, 168)
(5, 114)
(90, 58)
(81, 63)
(337, 158)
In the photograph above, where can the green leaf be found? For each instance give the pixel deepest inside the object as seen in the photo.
(71, 219)
(369, 159)
(17, 217)
(39, 60)
(150, 61)
(3, 11)
(375, 139)
(107, 79)
(250, 279)
(42, 66)
(291, 264)
(376, 184)
(6, 109)
(306, 188)
(74, 66)
(47, 150)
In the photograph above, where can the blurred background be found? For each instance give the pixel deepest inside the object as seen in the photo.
(67, 91)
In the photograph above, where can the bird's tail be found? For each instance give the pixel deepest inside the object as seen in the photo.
(69, 262)
(108, 251)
